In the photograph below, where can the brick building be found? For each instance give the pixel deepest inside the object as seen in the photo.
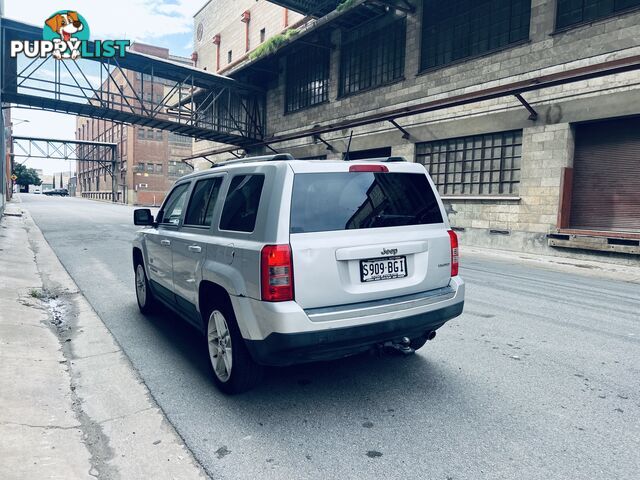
(149, 160)
(563, 181)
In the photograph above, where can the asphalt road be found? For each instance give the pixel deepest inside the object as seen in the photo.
(538, 379)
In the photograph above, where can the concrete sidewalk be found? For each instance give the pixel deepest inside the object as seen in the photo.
(587, 268)
(72, 404)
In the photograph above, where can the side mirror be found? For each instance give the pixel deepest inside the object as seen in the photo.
(142, 216)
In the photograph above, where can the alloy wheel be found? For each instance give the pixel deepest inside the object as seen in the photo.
(220, 348)
(141, 285)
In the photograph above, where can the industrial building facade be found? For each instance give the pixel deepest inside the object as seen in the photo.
(149, 159)
(225, 31)
(554, 171)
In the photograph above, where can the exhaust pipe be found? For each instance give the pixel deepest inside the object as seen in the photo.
(431, 335)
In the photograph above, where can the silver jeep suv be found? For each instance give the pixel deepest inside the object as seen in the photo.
(280, 261)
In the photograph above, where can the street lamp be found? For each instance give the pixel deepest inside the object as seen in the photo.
(8, 128)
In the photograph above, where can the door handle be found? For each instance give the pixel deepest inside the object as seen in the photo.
(165, 243)
(195, 248)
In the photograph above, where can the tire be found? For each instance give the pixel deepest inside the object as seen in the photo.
(418, 342)
(147, 302)
(235, 372)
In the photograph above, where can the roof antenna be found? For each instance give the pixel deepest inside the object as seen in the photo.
(346, 155)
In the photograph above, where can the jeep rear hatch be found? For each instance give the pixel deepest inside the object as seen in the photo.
(366, 232)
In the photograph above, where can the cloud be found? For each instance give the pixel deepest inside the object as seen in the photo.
(142, 20)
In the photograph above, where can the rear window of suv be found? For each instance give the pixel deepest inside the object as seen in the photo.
(324, 202)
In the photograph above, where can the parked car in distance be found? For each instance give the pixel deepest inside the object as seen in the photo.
(61, 192)
(280, 261)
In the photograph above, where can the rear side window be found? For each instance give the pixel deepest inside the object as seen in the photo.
(241, 205)
(203, 200)
(324, 202)
(172, 209)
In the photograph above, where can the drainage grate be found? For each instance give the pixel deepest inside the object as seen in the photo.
(623, 241)
(558, 236)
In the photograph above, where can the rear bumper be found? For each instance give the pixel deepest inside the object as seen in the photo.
(282, 333)
(280, 349)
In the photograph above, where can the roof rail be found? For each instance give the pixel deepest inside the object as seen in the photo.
(262, 158)
(395, 159)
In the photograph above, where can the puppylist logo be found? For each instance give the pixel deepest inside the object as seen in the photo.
(66, 36)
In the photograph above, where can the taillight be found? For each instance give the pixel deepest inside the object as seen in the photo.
(276, 273)
(369, 168)
(454, 252)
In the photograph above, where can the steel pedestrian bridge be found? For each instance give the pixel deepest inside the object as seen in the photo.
(171, 96)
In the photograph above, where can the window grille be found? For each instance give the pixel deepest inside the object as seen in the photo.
(372, 55)
(177, 169)
(181, 139)
(307, 80)
(475, 165)
(572, 12)
(459, 29)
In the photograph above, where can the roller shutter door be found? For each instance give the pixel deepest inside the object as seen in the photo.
(606, 176)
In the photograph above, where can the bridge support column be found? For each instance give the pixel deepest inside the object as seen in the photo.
(114, 181)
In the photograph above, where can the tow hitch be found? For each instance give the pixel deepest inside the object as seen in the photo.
(403, 346)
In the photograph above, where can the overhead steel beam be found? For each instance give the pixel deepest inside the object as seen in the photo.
(611, 67)
(58, 149)
(406, 7)
(309, 7)
(103, 153)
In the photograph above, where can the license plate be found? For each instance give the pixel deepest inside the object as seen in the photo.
(383, 268)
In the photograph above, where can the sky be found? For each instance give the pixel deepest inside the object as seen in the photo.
(166, 23)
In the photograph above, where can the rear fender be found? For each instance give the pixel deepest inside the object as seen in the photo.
(227, 276)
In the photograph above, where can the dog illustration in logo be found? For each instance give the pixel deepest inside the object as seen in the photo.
(65, 24)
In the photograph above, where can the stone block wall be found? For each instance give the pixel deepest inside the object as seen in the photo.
(547, 51)
(546, 150)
